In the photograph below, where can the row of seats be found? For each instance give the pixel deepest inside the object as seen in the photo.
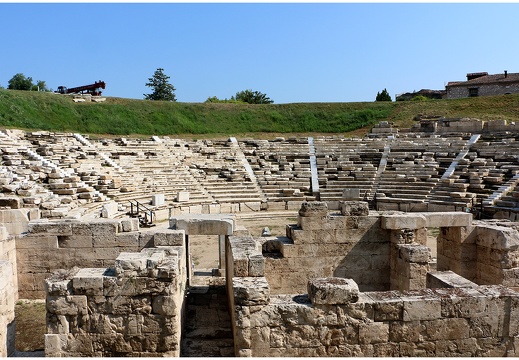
(63, 172)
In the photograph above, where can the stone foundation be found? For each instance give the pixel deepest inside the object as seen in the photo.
(342, 283)
(289, 303)
(429, 322)
(132, 309)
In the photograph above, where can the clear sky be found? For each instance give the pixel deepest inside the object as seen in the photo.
(293, 52)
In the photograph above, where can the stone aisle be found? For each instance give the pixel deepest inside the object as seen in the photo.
(207, 329)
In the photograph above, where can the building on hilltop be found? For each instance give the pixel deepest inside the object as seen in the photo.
(483, 84)
(430, 94)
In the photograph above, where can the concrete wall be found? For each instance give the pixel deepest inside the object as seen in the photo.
(8, 293)
(134, 308)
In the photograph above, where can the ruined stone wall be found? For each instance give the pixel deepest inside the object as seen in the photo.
(347, 244)
(134, 308)
(424, 313)
(486, 253)
(64, 244)
(335, 320)
(8, 293)
(379, 251)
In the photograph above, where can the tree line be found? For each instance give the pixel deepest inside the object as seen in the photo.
(21, 82)
(163, 90)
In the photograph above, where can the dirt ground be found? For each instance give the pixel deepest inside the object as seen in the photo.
(30, 325)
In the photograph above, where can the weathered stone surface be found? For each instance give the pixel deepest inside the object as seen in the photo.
(448, 219)
(403, 221)
(251, 291)
(203, 224)
(414, 253)
(354, 208)
(313, 208)
(333, 291)
(169, 237)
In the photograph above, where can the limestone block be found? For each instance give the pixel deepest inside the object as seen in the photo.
(145, 239)
(403, 236)
(448, 279)
(204, 224)
(51, 227)
(250, 291)
(372, 333)
(497, 237)
(109, 210)
(447, 329)
(168, 269)
(403, 221)
(421, 305)
(414, 253)
(79, 242)
(131, 262)
(157, 199)
(293, 205)
(183, 196)
(164, 305)
(37, 242)
(448, 219)
(55, 344)
(313, 208)
(130, 224)
(88, 281)
(68, 305)
(333, 291)
(169, 237)
(312, 222)
(300, 236)
(354, 208)
(387, 305)
(256, 265)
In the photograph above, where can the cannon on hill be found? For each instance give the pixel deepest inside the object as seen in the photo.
(92, 89)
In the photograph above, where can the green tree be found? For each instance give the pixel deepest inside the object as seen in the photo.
(40, 86)
(162, 89)
(214, 99)
(383, 96)
(20, 82)
(252, 97)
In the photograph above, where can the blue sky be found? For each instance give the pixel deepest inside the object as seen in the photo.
(293, 52)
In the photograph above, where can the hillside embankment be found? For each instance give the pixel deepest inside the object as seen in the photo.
(118, 116)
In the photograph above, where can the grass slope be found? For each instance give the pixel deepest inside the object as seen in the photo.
(116, 116)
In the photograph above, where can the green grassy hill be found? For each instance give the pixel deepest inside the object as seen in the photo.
(117, 116)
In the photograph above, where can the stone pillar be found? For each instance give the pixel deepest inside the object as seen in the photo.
(409, 261)
(221, 252)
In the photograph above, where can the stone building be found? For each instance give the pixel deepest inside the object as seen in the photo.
(483, 84)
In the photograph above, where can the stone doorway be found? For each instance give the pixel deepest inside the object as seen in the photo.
(207, 327)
